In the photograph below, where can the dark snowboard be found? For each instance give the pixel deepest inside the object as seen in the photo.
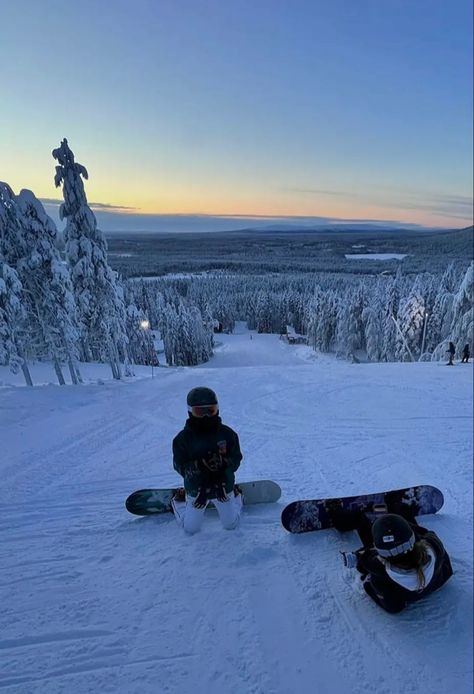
(146, 502)
(315, 514)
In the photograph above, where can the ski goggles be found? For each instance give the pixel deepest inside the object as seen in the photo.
(200, 411)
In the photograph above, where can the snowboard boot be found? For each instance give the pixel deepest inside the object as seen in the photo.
(239, 497)
(179, 495)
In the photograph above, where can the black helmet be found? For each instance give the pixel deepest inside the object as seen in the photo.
(201, 396)
(392, 535)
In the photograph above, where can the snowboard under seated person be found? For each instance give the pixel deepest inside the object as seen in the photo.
(400, 562)
(206, 453)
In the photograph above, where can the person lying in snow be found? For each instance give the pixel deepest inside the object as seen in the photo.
(400, 562)
(206, 453)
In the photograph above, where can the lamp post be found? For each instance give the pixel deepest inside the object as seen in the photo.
(425, 323)
(145, 325)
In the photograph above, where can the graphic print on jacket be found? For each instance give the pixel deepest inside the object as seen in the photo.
(206, 453)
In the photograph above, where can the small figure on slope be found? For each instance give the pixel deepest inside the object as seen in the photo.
(451, 351)
(400, 562)
(466, 353)
(206, 453)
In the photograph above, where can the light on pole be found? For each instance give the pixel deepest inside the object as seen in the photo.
(145, 325)
(425, 323)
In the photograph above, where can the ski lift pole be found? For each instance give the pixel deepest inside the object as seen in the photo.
(402, 336)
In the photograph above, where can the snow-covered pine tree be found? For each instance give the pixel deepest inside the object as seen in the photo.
(392, 303)
(168, 329)
(347, 335)
(372, 316)
(462, 326)
(12, 318)
(11, 232)
(141, 347)
(358, 304)
(48, 289)
(410, 321)
(14, 321)
(439, 319)
(208, 324)
(263, 312)
(99, 298)
(223, 313)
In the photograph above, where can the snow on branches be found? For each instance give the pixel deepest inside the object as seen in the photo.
(98, 295)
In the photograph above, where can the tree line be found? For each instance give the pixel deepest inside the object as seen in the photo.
(388, 318)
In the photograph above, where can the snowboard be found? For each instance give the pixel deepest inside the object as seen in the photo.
(145, 502)
(315, 514)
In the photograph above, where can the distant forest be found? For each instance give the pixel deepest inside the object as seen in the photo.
(144, 255)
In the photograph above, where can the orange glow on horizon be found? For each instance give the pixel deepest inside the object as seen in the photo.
(136, 197)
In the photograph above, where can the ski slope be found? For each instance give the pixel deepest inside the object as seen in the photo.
(96, 600)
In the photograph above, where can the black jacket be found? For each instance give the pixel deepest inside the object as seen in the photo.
(388, 593)
(212, 442)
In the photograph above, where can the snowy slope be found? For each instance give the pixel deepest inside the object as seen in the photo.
(94, 599)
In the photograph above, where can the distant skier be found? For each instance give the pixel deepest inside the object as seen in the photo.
(465, 354)
(451, 351)
(400, 562)
(206, 453)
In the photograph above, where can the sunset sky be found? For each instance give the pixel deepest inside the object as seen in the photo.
(358, 109)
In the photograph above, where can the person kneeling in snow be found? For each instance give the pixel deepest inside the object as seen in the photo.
(206, 453)
(400, 562)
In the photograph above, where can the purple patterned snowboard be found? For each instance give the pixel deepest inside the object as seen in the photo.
(314, 514)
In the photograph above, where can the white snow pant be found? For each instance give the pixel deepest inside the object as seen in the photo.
(191, 518)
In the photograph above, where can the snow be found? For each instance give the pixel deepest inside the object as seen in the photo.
(94, 599)
(375, 256)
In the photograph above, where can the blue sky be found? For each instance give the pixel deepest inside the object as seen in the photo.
(342, 109)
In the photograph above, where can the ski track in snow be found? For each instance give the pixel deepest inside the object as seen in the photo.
(94, 599)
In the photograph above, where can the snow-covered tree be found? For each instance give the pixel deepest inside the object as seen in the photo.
(12, 317)
(410, 323)
(99, 298)
(392, 303)
(372, 316)
(11, 232)
(347, 336)
(141, 347)
(48, 289)
(13, 323)
(462, 326)
(263, 313)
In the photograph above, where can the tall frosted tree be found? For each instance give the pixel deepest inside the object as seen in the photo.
(12, 318)
(392, 303)
(462, 326)
(48, 289)
(99, 298)
(13, 324)
(347, 336)
(410, 322)
(373, 322)
(141, 347)
(12, 246)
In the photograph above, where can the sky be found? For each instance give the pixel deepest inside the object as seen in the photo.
(181, 109)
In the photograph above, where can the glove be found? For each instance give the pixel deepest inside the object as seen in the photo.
(215, 462)
(349, 559)
(201, 500)
(220, 492)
